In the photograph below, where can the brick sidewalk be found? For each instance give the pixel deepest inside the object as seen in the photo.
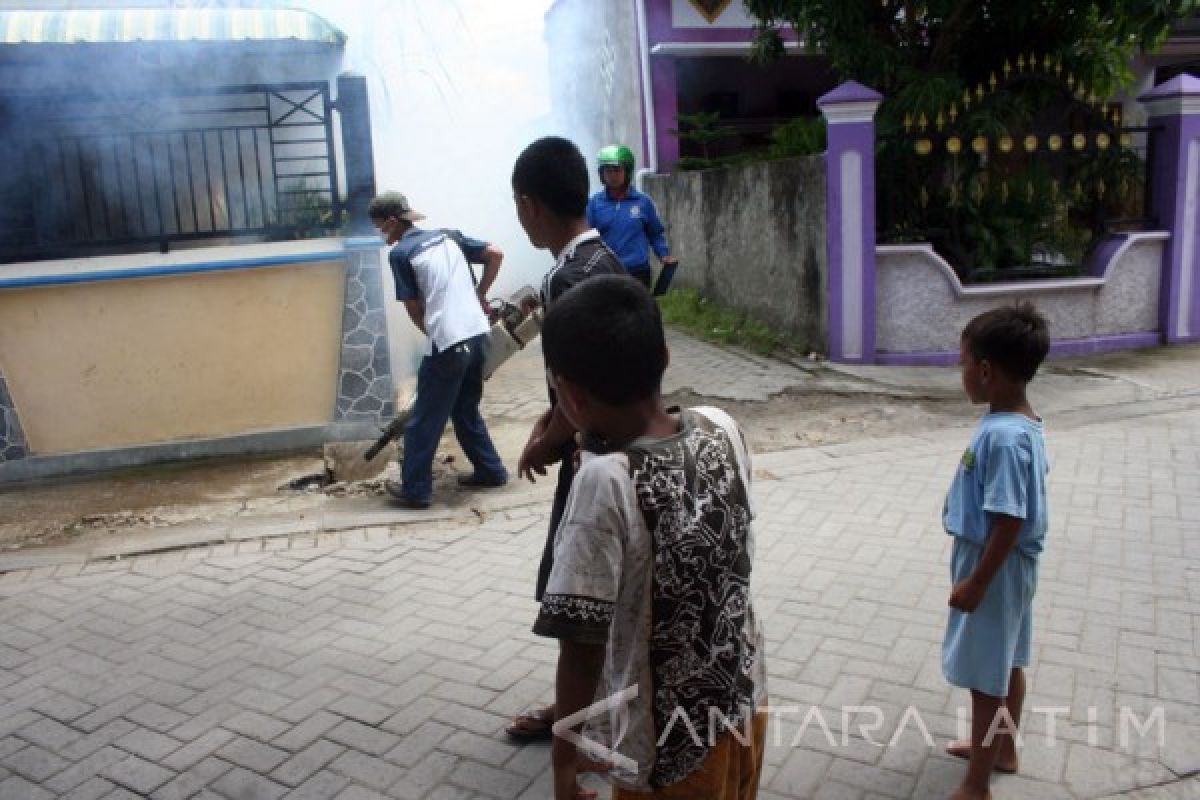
(383, 662)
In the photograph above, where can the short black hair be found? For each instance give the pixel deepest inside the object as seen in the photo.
(1014, 338)
(606, 335)
(554, 172)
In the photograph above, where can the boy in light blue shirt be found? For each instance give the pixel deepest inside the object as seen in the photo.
(996, 512)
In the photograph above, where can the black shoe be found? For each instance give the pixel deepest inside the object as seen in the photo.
(474, 481)
(398, 498)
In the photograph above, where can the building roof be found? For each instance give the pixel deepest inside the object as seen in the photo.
(29, 26)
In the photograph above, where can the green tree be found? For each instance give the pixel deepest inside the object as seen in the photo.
(938, 64)
(702, 129)
(920, 53)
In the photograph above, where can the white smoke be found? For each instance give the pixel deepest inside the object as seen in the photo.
(457, 88)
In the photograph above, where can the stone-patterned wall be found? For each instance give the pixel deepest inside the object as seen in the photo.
(12, 438)
(365, 390)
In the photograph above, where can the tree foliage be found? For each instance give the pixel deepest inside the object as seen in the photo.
(990, 71)
(920, 53)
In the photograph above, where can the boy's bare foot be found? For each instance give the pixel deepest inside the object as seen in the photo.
(962, 749)
(532, 725)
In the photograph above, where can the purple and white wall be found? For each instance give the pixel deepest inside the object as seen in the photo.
(850, 213)
(1175, 105)
(905, 305)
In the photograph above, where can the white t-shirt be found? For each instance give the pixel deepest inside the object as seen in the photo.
(431, 266)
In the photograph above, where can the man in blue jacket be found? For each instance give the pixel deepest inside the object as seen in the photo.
(627, 219)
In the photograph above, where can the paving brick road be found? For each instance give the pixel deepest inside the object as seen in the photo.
(383, 661)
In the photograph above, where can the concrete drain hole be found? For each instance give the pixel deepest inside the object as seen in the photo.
(317, 480)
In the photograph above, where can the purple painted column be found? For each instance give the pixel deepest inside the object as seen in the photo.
(1175, 105)
(666, 110)
(658, 21)
(850, 220)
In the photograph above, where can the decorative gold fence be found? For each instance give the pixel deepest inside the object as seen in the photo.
(1021, 175)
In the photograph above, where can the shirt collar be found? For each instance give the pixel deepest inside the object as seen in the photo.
(569, 250)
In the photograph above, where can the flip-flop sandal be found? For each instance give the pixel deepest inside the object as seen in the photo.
(965, 755)
(532, 725)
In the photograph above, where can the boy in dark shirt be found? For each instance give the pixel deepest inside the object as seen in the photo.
(550, 190)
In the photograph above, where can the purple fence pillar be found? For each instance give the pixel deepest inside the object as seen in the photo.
(1175, 106)
(850, 217)
(666, 110)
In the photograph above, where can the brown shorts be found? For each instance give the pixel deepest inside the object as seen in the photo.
(730, 772)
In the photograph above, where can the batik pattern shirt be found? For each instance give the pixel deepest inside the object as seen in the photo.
(652, 560)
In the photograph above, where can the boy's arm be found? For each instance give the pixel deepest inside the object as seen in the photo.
(1002, 538)
(546, 441)
(1005, 498)
(581, 595)
(579, 667)
(559, 430)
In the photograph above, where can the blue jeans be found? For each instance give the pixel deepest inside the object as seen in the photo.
(449, 388)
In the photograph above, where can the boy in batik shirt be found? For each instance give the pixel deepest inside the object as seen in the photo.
(649, 594)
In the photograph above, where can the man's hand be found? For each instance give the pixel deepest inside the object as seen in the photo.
(483, 302)
(669, 260)
(967, 595)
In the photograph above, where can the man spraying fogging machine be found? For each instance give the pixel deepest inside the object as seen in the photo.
(515, 322)
(444, 301)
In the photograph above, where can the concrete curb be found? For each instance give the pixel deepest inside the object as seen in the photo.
(371, 513)
(340, 515)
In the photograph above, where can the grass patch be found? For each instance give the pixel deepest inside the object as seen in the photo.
(697, 315)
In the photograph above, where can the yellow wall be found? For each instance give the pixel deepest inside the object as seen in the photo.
(128, 362)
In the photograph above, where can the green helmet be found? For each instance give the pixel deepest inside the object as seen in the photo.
(617, 155)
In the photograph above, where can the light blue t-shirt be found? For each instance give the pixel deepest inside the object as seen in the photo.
(1002, 472)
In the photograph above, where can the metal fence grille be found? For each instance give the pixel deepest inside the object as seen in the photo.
(96, 173)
